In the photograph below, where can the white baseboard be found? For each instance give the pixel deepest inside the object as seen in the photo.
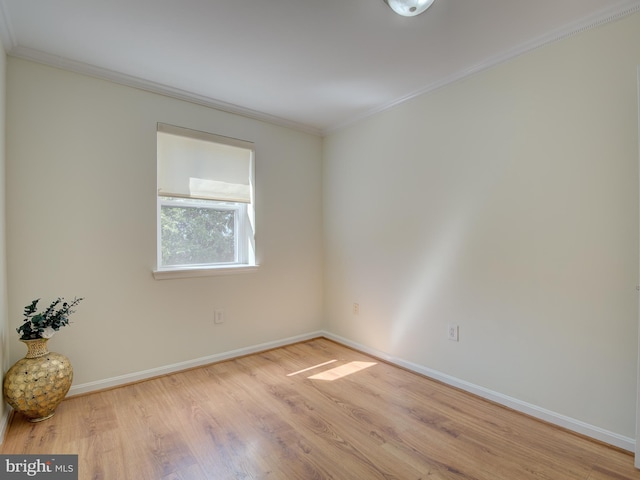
(554, 418)
(4, 422)
(176, 367)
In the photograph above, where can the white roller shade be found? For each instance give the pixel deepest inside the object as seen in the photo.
(195, 164)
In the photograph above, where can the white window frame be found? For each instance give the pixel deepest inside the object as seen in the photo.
(245, 261)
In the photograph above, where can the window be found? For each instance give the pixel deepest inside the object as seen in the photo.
(205, 203)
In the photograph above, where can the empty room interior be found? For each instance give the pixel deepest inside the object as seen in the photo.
(434, 247)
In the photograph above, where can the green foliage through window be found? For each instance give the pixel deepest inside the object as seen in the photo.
(197, 235)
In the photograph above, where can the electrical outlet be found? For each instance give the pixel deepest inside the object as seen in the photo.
(218, 316)
(356, 309)
(453, 332)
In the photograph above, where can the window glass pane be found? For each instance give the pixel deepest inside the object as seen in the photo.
(194, 235)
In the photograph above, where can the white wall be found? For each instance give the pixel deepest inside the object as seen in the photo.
(81, 221)
(506, 203)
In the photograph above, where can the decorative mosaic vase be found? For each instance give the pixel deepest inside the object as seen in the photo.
(36, 384)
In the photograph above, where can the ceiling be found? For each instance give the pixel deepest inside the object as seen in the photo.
(315, 65)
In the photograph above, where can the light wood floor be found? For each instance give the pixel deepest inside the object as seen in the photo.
(274, 416)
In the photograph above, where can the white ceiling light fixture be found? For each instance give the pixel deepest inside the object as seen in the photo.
(409, 8)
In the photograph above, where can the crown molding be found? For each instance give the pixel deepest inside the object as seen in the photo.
(153, 87)
(569, 30)
(12, 48)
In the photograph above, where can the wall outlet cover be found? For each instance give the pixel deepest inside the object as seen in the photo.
(453, 332)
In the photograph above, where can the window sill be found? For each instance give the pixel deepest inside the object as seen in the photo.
(167, 274)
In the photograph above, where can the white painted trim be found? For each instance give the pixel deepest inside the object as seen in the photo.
(149, 86)
(4, 422)
(637, 449)
(185, 272)
(176, 367)
(13, 49)
(535, 411)
(601, 18)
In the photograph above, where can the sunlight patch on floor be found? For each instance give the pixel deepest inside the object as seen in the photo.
(311, 368)
(342, 371)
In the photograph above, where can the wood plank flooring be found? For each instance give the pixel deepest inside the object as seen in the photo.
(314, 410)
